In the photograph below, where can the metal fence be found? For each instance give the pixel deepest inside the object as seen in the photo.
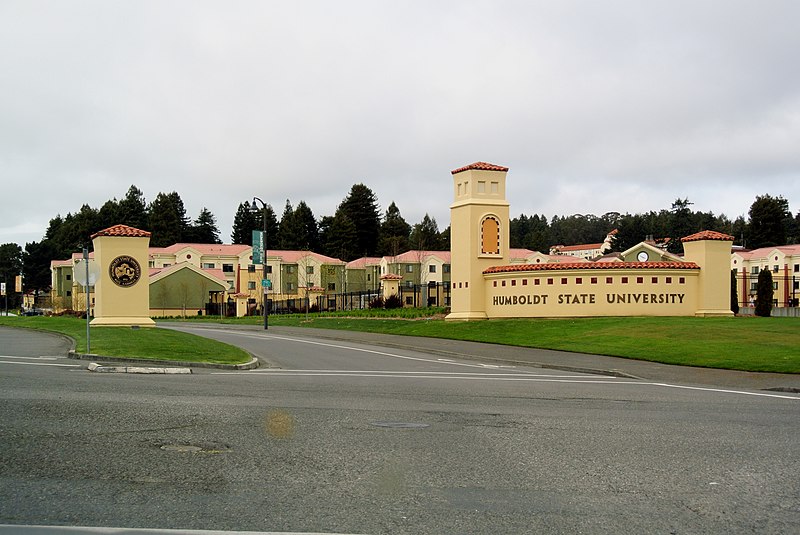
(786, 290)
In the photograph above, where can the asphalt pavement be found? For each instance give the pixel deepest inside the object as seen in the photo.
(557, 360)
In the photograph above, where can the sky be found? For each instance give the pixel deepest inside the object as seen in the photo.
(595, 105)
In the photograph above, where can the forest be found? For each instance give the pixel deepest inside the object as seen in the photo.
(358, 228)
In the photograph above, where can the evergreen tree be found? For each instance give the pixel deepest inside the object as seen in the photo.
(680, 224)
(307, 229)
(36, 265)
(341, 236)
(361, 208)
(168, 221)
(204, 229)
(394, 233)
(108, 215)
(133, 209)
(288, 237)
(10, 267)
(425, 235)
(768, 218)
(764, 293)
(734, 293)
(244, 222)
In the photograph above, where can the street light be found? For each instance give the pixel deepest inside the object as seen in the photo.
(264, 262)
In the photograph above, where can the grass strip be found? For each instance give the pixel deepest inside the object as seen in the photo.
(741, 343)
(144, 343)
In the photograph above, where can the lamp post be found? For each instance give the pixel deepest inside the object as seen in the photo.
(264, 289)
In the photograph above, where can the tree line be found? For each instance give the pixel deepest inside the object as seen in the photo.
(358, 228)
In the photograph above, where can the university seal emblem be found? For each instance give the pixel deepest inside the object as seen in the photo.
(124, 271)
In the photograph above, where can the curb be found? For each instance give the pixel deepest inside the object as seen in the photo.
(253, 364)
(95, 367)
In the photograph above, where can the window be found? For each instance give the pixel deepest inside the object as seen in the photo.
(513, 282)
(654, 280)
(668, 280)
(639, 280)
(251, 268)
(578, 280)
(682, 280)
(331, 286)
(536, 282)
(432, 268)
(754, 270)
(495, 187)
(227, 268)
(624, 280)
(409, 284)
(563, 280)
(251, 285)
(151, 263)
(503, 283)
(609, 280)
(797, 268)
(369, 277)
(594, 280)
(269, 269)
(524, 282)
(290, 269)
(446, 268)
(69, 277)
(774, 285)
(69, 293)
(774, 269)
(207, 265)
(549, 281)
(796, 285)
(490, 236)
(409, 300)
(494, 283)
(409, 268)
(309, 270)
(753, 286)
(290, 286)
(481, 186)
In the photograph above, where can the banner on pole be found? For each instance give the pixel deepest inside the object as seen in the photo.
(258, 246)
(18, 284)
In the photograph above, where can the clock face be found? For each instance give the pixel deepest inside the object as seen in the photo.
(643, 256)
(124, 271)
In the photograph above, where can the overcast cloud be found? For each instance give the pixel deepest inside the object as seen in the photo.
(595, 106)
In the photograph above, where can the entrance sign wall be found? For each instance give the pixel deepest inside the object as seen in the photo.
(122, 291)
(485, 285)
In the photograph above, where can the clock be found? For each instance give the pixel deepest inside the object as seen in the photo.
(643, 256)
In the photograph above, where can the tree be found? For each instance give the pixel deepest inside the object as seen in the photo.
(288, 237)
(425, 235)
(764, 293)
(734, 293)
(36, 265)
(361, 208)
(132, 209)
(168, 221)
(10, 267)
(768, 220)
(306, 225)
(204, 229)
(245, 221)
(680, 224)
(341, 235)
(394, 233)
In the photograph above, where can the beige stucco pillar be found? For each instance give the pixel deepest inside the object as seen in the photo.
(711, 251)
(479, 236)
(391, 285)
(122, 291)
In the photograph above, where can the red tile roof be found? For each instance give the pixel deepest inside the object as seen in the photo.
(391, 277)
(122, 230)
(480, 166)
(580, 247)
(592, 266)
(708, 235)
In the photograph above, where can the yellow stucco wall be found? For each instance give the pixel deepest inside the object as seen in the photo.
(592, 292)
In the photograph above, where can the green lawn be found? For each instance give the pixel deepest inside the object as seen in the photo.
(743, 343)
(154, 344)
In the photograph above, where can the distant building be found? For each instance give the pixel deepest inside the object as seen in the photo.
(587, 251)
(784, 264)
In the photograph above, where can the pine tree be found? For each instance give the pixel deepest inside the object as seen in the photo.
(425, 235)
(204, 229)
(288, 237)
(394, 233)
(306, 224)
(133, 209)
(341, 237)
(768, 221)
(168, 221)
(361, 208)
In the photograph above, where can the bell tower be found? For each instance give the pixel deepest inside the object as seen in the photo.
(479, 235)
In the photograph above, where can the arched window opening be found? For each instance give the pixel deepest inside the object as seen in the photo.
(490, 236)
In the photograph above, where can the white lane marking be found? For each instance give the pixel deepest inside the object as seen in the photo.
(502, 377)
(288, 371)
(336, 346)
(40, 364)
(29, 358)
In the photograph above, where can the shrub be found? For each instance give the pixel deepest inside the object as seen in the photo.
(393, 301)
(314, 308)
(764, 294)
(377, 303)
(734, 293)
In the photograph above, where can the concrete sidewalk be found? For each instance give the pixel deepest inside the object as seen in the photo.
(561, 360)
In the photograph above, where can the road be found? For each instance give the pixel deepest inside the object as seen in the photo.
(353, 438)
